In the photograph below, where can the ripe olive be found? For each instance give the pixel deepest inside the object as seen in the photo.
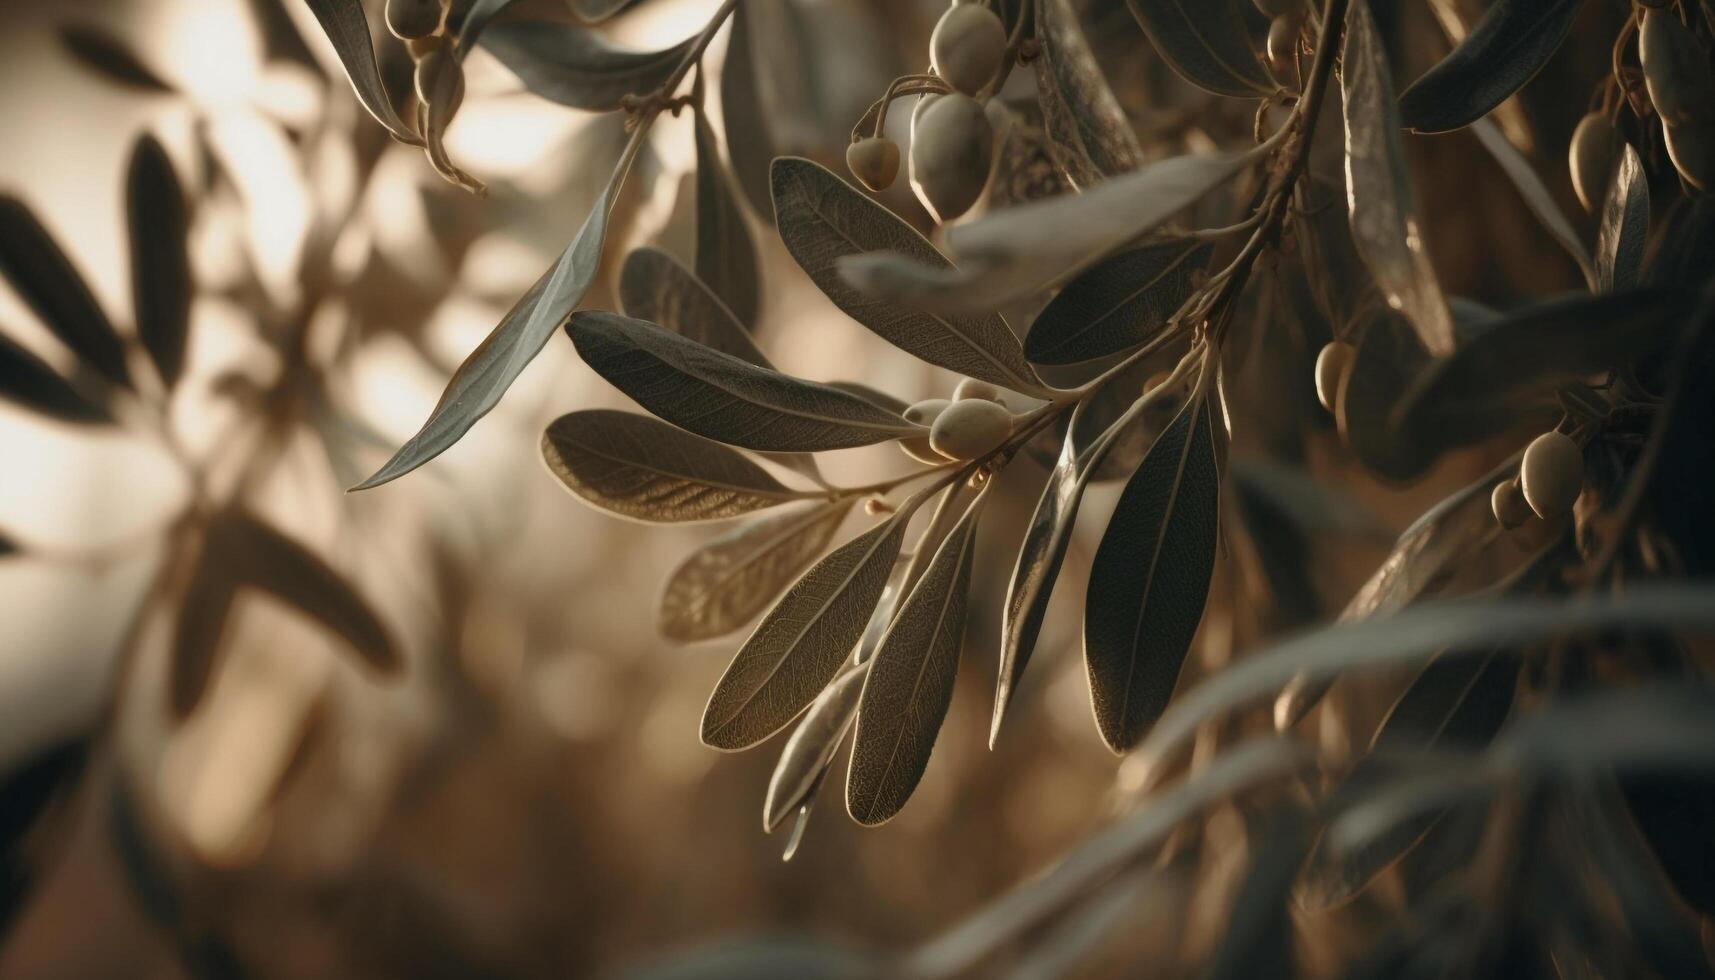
(1595, 147)
(440, 80)
(950, 155)
(1331, 366)
(1509, 505)
(970, 428)
(1692, 150)
(972, 388)
(1283, 34)
(410, 19)
(924, 413)
(1552, 474)
(967, 47)
(874, 161)
(1676, 70)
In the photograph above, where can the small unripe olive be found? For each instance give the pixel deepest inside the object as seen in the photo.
(409, 19)
(1509, 505)
(926, 411)
(1676, 70)
(923, 413)
(972, 388)
(950, 155)
(967, 47)
(1692, 150)
(969, 429)
(1595, 146)
(1331, 366)
(440, 80)
(1283, 34)
(1552, 474)
(874, 161)
(1274, 8)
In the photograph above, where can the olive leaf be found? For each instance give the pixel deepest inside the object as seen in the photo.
(1340, 282)
(595, 11)
(910, 683)
(160, 261)
(32, 789)
(742, 112)
(1150, 578)
(1118, 304)
(347, 28)
(1257, 937)
(1089, 131)
(724, 584)
(1389, 357)
(823, 219)
(726, 257)
(1512, 371)
(27, 381)
(723, 398)
(1624, 230)
(475, 23)
(47, 281)
(645, 469)
(1027, 165)
(656, 287)
(1505, 50)
(881, 399)
(1206, 42)
(111, 58)
(809, 753)
(485, 375)
(799, 646)
(576, 67)
(1384, 220)
(1536, 195)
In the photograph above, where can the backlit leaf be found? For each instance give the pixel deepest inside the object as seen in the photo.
(1118, 304)
(160, 261)
(1505, 50)
(808, 754)
(575, 66)
(1624, 230)
(45, 279)
(1206, 42)
(348, 29)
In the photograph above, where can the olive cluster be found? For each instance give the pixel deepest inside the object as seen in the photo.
(952, 137)
(421, 24)
(1548, 483)
(973, 423)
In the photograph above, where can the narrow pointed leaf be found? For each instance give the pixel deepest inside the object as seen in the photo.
(1080, 112)
(656, 287)
(1378, 189)
(160, 261)
(800, 644)
(728, 581)
(910, 682)
(282, 567)
(45, 279)
(1206, 42)
(485, 375)
(1257, 938)
(110, 57)
(1536, 195)
(723, 398)
(823, 219)
(881, 399)
(27, 381)
(809, 753)
(1505, 50)
(1624, 232)
(1118, 304)
(726, 257)
(348, 29)
(742, 112)
(575, 66)
(645, 469)
(1390, 356)
(1150, 579)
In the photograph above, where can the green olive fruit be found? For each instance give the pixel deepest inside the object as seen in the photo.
(874, 161)
(969, 429)
(1274, 8)
(926, 411)
(1283, 34)
(972, 388)
(1692, 150)
(1509, 505)
(1676, 70)
(1595, 147)
(922, 106)
(1552, 474)
(411, 19)
(950, 155)
(967, 47)
(440, 80)
(1331, 366)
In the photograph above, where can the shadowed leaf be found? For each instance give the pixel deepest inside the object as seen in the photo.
(576, 67)
(1118, 304)
(1389, 357)
(598, 10)
(1624, 230)
(726, 257)
(1206, 42)
(656, 287)
(45, 279)
(348, 29)
(27, 381)
(1090, 134)
(160, 260)
(1505, 50)
(742, 113)
(1257, 937)
(111, 58)
(1535, 193)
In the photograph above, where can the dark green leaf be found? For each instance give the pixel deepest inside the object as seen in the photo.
(809, 753)
(823, 219)
(1339, 280)
(1390, 356)
(1536, 195)
(1206, 42)
(1507, 48)
(726, 257)
(574, 66)
(1150, 578)
(723, 398)
(1257, 936)
(1088, 129)
(1118, 304)
(111, 58)
(27, 381)
(347, 28)
(160, 260)
(1378, 189)
(655, 286)
(742, 112)
(910, 682)
(1624, 232)
(645, 469)
(485, 375)
(45, 278)
(800, 644)
(725, 583)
